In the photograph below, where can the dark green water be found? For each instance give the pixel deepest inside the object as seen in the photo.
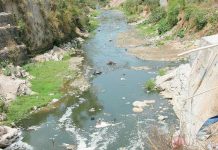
(112, 95)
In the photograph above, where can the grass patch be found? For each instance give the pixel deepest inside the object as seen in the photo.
(93, 21)
(150, 85)
(47, 84)
(161, 72)
(147, 29)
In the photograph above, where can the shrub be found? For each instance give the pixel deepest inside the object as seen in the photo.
(150, 85)
(157, 15)
(132, 7)
(181, 33)
(189, 11)
(21, 25)
(172, 16)
(4, 63)
(161, 72)
(7, 71)
(163, 26)
(200, 20)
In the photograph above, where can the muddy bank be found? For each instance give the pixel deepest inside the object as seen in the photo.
(151, 48)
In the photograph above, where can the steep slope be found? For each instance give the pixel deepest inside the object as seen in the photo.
(44, 23)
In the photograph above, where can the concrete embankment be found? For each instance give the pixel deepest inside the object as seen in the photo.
(193, 89)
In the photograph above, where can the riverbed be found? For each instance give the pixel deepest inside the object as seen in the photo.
(109, 99)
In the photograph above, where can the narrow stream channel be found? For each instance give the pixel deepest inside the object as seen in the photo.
(111, 95)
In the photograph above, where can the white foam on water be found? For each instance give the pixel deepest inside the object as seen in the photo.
(99, 139)
(19, 145)
(66, 115)
(69, 111)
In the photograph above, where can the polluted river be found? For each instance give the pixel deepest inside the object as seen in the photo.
(109, 99)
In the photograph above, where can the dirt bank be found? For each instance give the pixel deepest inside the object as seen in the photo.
(151, 48)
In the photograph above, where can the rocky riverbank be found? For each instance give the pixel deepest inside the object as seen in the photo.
(8, 136)
(192, 89)
(17, 84)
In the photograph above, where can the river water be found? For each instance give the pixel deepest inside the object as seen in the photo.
(111, 95)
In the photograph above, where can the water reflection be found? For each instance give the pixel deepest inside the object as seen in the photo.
(79, 116)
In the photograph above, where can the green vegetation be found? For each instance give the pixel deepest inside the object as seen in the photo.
(192, 16)
(157, 15)
(150, 85)
(181, 33)
(3, 107)
(21, 25)
(47, 84)
(133, 8)
(7, 71)
(148, 30)
(161, 72)
(93, 21)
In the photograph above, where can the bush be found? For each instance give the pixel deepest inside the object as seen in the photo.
(200, 20)
(157, 15)
(181, 33)
(4, 63)
(132, 7)
(3, 107)
(172, 16)
(189, 11)
(21, 25)
(7, 71)
(150, 85)
(161, 72)
(163, 26)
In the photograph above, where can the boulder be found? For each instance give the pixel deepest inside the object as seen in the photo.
(70, 147)
(10, 87)
(143, 103)
(137, 109)
(161, 118)
(8, 136)
(111, 63)
(3, 117)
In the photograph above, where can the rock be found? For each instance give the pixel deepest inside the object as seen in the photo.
(80, 33)
(33, 128)
(10, 88)
(80, 40)
(23, 89)
(3, 117)
(97, 72)
(8, 136)
(122, 79)
(161, 118)
(111, 63)
(137, 109)
(141, 68)
(143, 103)
(92, 110)
(34, 108)
(54, 100)
(70, 147)
(140, 104)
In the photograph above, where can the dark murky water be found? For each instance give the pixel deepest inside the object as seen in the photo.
(111, 95)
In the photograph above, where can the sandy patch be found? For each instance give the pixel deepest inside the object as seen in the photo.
(145, 48)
